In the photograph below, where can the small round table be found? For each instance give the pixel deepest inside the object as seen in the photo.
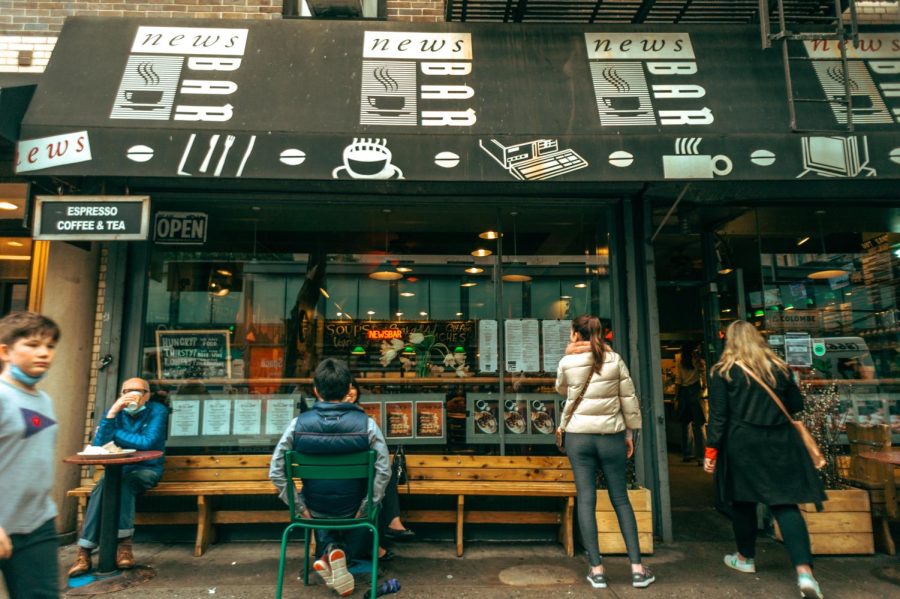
(111, 494)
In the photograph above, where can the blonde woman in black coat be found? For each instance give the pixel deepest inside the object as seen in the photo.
(755, 452)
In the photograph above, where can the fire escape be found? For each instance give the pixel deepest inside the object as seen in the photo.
(796, 20)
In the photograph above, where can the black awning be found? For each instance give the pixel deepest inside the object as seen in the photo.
(323, 100)
(16, 90)
(636, 11)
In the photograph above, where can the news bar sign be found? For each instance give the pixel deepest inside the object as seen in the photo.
(92, 218)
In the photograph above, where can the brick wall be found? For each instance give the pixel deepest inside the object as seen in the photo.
(875, 12)
(47, 16)
(11, 46)
(420, 11)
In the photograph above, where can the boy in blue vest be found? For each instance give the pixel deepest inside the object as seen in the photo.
(28, 432)
(334, 425)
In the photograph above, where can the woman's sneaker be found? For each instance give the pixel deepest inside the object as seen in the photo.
(736, 562)
(598, 581)
(641, 580)
(809, 588)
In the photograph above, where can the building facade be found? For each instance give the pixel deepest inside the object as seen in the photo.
(345, 207)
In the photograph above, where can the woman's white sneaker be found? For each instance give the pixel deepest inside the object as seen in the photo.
(736, 562)
(809, 588)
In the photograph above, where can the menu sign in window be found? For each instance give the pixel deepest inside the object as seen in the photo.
(193, 354)
(429, 419)
(556, 338)
(185, 418)
(399, 416)
(522, 345)
(373, 411)
(487, 346)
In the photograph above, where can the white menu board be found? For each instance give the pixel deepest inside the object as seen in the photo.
(185, 418)
(487, 346)
(217, 417)
(556, 337)
(279, 413)
(247, 416)
(522, 345)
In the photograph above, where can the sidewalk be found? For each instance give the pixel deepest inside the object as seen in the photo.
(495, 571)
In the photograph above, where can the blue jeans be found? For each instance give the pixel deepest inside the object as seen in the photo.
(134, 483)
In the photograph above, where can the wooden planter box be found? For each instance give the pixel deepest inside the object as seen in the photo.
(844, 528)
(610, 536)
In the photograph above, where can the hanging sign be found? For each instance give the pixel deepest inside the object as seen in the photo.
(180, 228)
(91, 218)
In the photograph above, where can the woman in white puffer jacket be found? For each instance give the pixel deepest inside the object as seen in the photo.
(599, 436)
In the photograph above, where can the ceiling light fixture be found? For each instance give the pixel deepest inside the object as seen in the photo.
(481, 252)
(580, 285)
(474, 270)
(514, 273)
(826, 269)
(802, 241)
(385, 271)
(4, 205)
(490, 235)
(407, 294)
(404, 269)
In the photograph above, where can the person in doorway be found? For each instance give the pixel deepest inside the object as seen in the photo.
(689, 379)
(334, 426)
(389, 523)
(28, 432)
(756, 454)
(599, 435)
(136, 420)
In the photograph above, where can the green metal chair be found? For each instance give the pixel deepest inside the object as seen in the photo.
(329, 467)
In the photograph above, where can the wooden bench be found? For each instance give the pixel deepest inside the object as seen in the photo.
(209, 477)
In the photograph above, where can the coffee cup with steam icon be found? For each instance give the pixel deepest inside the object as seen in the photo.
(367, 158)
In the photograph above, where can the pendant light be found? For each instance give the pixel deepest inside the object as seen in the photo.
(386, 271)
(825, 269)
(514, 273)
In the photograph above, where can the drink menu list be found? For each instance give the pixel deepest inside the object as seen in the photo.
(556, 338)
(522, 345)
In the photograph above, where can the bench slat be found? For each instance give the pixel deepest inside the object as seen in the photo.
(472, 461)
(215, 474)
(490, 474)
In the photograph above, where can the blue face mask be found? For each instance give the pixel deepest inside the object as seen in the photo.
(26, 379)
(134, 411)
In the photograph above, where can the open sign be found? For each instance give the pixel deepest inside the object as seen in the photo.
(180, 228)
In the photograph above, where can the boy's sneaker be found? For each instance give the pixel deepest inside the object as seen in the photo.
(641, 580)
(598, 581)
(341, 580)
(735, 561)
(324, 571)
(809, 588)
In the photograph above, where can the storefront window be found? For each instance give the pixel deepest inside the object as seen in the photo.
(455, 349)
(824, 290)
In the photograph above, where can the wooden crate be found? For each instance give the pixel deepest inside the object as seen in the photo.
(610, 536)
(844, 528)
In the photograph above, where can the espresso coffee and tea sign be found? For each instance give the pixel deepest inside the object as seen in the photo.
(86, 218)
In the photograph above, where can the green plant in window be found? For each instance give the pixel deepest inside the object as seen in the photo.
(424, 347)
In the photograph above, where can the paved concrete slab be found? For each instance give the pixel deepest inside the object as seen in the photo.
(495, 571)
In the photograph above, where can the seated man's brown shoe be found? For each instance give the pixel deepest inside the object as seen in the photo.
(82, 563)
(124, 555)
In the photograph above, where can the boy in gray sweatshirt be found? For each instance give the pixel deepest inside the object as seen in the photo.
(28, 431)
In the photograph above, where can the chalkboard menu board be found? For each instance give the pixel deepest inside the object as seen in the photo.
(193, 354)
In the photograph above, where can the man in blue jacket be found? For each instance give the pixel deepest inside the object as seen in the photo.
(134, 421)
(335, 425)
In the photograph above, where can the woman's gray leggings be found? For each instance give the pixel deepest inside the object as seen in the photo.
(587, 453)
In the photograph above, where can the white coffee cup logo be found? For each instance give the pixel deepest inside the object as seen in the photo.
(701, 166)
